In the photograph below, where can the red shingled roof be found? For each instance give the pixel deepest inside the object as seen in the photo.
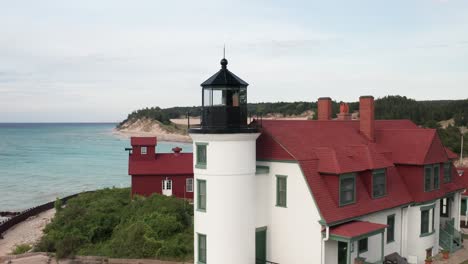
(450, 154)
(334, 147)
(356, 229)
(143, 141)
(164, 164)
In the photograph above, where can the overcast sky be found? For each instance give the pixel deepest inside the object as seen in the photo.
(98, 60)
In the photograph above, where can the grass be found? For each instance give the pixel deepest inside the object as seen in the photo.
(21, 249)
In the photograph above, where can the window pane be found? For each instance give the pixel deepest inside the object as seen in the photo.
(201, 194)
(144, 150)
(346, 189)
(217, 97)
(189, 185)
(427, 178)
(447, 172)
(379, 183)
(425, 222)
(362, 245)
(281, 191)
(201, 154)
(391, 228)
(201, 248)
(436, 176)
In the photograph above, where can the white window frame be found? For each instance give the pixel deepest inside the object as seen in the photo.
(144, 150)
(189, 182)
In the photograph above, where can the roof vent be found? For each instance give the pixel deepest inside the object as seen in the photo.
(177, 150)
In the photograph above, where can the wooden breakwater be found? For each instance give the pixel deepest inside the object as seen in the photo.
(22, 216)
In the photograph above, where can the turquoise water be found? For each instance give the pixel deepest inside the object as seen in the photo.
(39, 162)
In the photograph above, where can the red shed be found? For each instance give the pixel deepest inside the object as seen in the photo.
(164, 173)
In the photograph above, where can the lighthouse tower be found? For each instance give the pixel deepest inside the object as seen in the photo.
(224, 172)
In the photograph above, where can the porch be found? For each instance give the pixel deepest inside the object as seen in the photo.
(449, 237)
(357, 231)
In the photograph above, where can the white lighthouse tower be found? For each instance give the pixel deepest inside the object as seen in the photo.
(224, 171)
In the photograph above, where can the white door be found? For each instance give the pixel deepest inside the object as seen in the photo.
(167, 187)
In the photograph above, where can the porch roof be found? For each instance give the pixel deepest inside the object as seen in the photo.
(356, 230)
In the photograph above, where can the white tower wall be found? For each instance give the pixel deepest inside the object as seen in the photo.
(229, 219)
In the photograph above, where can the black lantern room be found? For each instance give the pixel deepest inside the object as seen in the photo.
(224, 104)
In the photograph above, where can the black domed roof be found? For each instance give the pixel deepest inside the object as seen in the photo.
(224, 78)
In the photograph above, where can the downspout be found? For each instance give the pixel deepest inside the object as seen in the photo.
(325, 239)
(404, 229)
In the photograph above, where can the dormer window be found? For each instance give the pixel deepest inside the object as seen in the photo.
(431, 177)
(144, 150)
(347, 188)
(379, 183)
(447, 171)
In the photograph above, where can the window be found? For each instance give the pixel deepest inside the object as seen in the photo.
(379, 179)
(281, 190)
(427, 220)
(201, 248)
(347, 189)
(444, 207)
(427, 178)
(201, 155)
(201, 193)
(143, 150)
(391, 228)
(362, 245)
(447, 172)
(436, 174)
(189, 184)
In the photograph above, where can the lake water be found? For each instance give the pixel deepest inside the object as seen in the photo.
(39, 162)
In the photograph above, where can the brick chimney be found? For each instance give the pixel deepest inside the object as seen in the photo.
(366, 116)
(344, 112)
(324, 110)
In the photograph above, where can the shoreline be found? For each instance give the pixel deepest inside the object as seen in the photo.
(162, 136)
(28, 232)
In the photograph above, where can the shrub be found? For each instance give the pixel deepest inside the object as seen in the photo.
(108, 223)
(21, 249)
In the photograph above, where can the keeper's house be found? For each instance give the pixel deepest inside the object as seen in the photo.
(169, 174)
(325, 191)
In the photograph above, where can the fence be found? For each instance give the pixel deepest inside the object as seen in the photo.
(9, 223)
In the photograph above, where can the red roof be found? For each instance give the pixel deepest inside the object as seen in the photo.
(163, 164)
(143, 141)
(450, 154)
(356, 229)
(411, 146)
(334, 147)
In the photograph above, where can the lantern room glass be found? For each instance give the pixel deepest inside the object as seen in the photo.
(230, 97)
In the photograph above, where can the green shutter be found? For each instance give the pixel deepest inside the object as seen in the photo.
(281, 190)
(201, 195)
(347, 189)
(202, 249)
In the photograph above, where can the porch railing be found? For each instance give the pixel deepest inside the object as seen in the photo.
(449, 237)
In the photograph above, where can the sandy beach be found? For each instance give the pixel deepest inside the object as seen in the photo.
(27, 232)
(148, 128)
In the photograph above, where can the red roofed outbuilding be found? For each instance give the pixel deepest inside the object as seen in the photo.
(163, 173)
